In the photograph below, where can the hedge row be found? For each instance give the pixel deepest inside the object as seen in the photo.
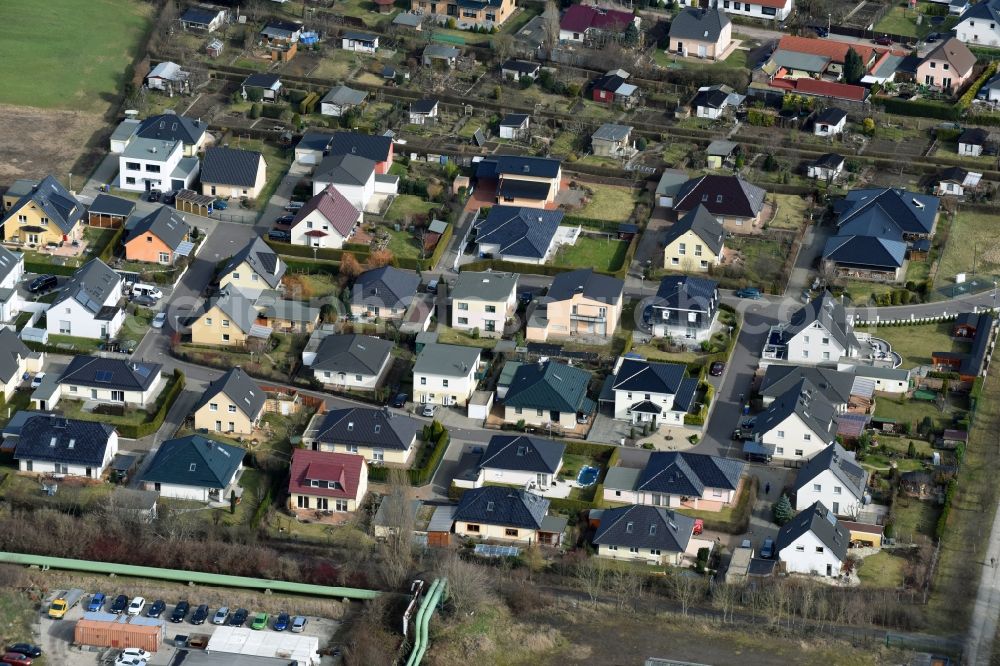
(592, 222)
(918, 108)
(108, 251)
(151, 426)
(569, 506)
(306, 252)
(589, 449)
(328, 267)
(965, 101)
(740, 521)
(517, 267)
(419, 476)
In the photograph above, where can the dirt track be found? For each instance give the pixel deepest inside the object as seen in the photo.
(35, 142)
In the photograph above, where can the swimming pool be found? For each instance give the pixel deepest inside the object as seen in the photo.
(587, 476)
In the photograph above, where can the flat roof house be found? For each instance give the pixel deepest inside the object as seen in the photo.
(378, 435)
(232, 404)
(195, 468)
(50, 444)
(156, 164)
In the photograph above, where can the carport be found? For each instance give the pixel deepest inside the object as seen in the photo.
(190, 201)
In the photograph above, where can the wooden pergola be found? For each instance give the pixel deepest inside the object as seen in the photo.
(190, 201)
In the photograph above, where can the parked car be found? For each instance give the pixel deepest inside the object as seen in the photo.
(26, 648)
(285, 220)
(221, 615)
(428, 410)
(933, 37)
(716, 369)
(153, 196)
(299, 624)
(399, 400)
(282, 621)
(36, 381)
(752, 293)
(767, 549)
(130, 660)
(432, 286)
(294, 206)
(526, 297)
(180, 611)
(259, 621)
(16, 659)
(159, 320)
(157, 608)
(43, 283)
(279, 235)
(119, 605)
(169, 198)
(144, 300)
(200, 614)
(884, 40)
(96, 602)
(135, 607)
(821, 31)
(220, 204)
(239, 618)
(136, 652)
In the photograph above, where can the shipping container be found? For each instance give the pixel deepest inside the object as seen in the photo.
(119, 631)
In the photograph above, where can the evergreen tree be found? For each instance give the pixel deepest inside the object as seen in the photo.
(782, 510)
(854, 69)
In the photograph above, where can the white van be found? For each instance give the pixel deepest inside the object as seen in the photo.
(140, 289)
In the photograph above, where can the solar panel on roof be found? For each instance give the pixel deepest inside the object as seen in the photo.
(142, 370)
(103, 376)
(490, 550)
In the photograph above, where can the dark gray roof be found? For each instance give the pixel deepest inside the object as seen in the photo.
(230, 166)
(194, 461)
(829, 160)
(352, 354)
(199, 16)
(677, 473)
(386, 286)
(110, 373)
(234, 304)
(642, 376)
(549, 386)
(360, 36)
(367, 426)
(12, 350)
(611, 132)
(811, 406)
(822, 523)
(645, 527)
(514, 119)
(523, 454)
(780, 378)
(375, 147)
(866, 211)
(266, 81)
(262, 259)
(702, 224)
(347, 169)
(831, 116)
(484, 286)
(511, 188)
(721, 195)
(165, 223)
(56, 202)
(423, 105)
(105, 204)
(843, 465)
(440, 51)
(448, 360)
(315, 140)
(58, 439)
(240, 388)
(515, 165)
(829, 312)
(496, 505)
(90, 286)
(684, 292)
(172, 127)
(699, 24)
(954, 174)
(985, 9)
(585, 281)
(865, 251)
(520, 66)
(974, 136)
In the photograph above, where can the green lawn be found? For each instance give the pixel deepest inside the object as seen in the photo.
(913, 412)
(18, 401)
(136, 325)
(449, 336)
(69, 342)
(882, 570)
(64, 54)
(901, 20)
(973, 239)
(736, 60)
(763, 259)
(916, 343)
(608, 202)
(408, 205)
(914, 517)
(792, 211)
(402, 243)
(599, 253)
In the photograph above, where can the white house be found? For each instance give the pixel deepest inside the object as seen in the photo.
(835, 479)
(515, 126)
(360, 42)
(11, 272)
(50, 444)
(646, 391)
(679, 480)
(166, 76)
(327, 220)
(355, 362)
(768, 10)
(813, 542)
(423, 111)
(972, 141)
(352, 175)
(980, 24)
(827, 167)
(520, 461)
(798, 424)
(88, 306)
(483, 301)
(111, 381)
(445, 374)
(830, 122)
(818, 333)
(15, 360)
(340, 100)
(154, 164)
(195, 468)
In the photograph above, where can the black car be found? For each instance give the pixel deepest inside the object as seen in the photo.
(716, 369)
(821, 31)
(526, 297)
(279, 235)
(239, 618)
(144, 300)
(154, 196)
(399, 400)
(43, 283)
(180, 611)
(169, 198)
(200, 614)
(119, 605)
(156, 610)
(26, 648)
(285, 220)
(933, 37)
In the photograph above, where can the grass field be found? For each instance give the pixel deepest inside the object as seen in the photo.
(608, 202)
(882, 570)
(791, 213)
(402, 243)
(972, 239)
(916, 343)
(408, 205)
(53, 55)
(599, 253)
(914, 411)
(900, 20)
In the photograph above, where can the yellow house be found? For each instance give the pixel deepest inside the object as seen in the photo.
(228, 320)
(232, 404)
(533, 182)
(46, 215)
(379, 436)
(579, 302)
(326, 485)
(230, 172)
(253, 269)
(488, 13)
(694, 243)
(513, 515)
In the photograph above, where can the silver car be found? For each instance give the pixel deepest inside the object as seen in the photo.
(221, 615)
(299, 624)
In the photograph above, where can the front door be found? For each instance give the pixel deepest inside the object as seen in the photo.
(542, 480)
(702, 50)
(836, 508)
(554, 416)
(680, 47)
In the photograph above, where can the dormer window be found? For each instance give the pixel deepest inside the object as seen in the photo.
(629, 527)
(490, 505)
(193, 467)
(314, 483)
(350, 426)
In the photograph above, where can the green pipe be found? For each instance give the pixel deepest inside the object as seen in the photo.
(435, 597)
(223, 580)
(418, 637)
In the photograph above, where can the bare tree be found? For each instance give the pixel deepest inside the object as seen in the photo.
(551, 24)
(396, 551)
(591, 574)
(371, 642)
(627, 585)
(725, 597)
(686, 589)
(469, 584)
(503, 46)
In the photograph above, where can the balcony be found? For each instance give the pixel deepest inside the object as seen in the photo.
(583, 317)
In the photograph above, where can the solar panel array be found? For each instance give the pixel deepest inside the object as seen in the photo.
(490, 550)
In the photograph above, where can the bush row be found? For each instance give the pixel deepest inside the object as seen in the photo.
(919, 108)
(740, 521)
(422, 475)
(306, 252)
(166, 402)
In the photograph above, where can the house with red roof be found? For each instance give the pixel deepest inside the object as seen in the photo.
(797, 57)
(327, 220)
(773, 10)
(582, 22)
(325, 485)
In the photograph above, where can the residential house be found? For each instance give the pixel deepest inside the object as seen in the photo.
(826, 167)
(948, 66)
(167, 76)
(833, 478)
(16, 360)
(159, 237)
(375, 147)
(953, 181)
(705, 33)
(813, 542)
(383, 293)
(548, 394)
(469, 14)
(203, 18)
(798, 424)
(483, 301)
(327, 220)
(977, 327)
(685, 308)
(672, 479)
(11, 272)
(135, 384)
(352, 362)
(521, 181)
(445, 56)
(980, 24)
(830, 122)
(313, 147)
(579, 302)
(89, 304)
(378, 435)
(277, 32)
(519, 460)
(122, 134)
(359, 42)
(865, 257)
(169, 127)
(644, 391)
(515, 126)
(355, 177)
(228, 319)
(647, 534)
(17, 190)
(321, 483)
(511, 515)
(340, 100)
(286, 316)
(423, 111)
(713, 101)
(613, 88)
(514, 69)
(50, 444)
(808, 57)
(46, 214)
(733, 201)
(695, 242)
(156, 164)
(230, 172)
(719, 153)
(669, 186)
(611, 140)
(109, 212)
(445, 374)
(253, 269)
(232, 404)
(990, 91)
(584, 23)
(844, 390)
(267, 86)
(514, 233)
(972, 141)
(195, 468)
(818, 333)
(766, 10)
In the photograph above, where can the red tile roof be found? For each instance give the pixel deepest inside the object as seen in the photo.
(343, 468)
(835, 51)
(578, 18)
(332, 205)
(808, 86)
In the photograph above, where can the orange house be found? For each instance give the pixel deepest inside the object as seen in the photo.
(158, 238)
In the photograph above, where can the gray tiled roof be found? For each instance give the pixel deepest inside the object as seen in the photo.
(194, 461)
(685, 292)
(677, 473)
(262, 259)
(641, 376)
(165, 223)
(62, 440)
(12, 350)
(780, 378)
(910, 212)
(843, 465)
(818, 520)
(483, 286)
(90, 286)
(387, 286)
(172, 127)
(831, 116)
(230, 166)
(806, 401)
(549, 386)
(367, 426)
(375, 147)
(699, 24)
(829, 312)
(234, 304)
(612, 132)
(110, 373)
(345, 169)
(702, 224)
(107, 204)
(523, 454)
(56, 202)
(447, 360)
(645, 527)
(721, 195)
(585, 281)
(423, 105)
(352, 354)
(241, 390)
(519, 232)
(497, 505)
